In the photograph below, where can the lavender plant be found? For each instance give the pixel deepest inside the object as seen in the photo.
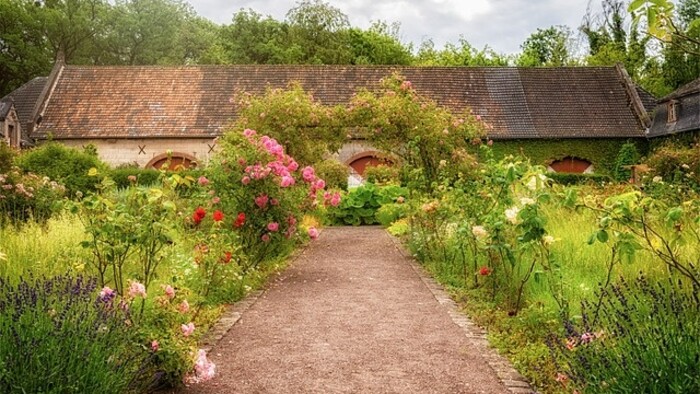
(58, 336)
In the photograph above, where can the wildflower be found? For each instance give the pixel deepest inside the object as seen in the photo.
(527, 201)
(265, 238)
(657, 179)
(274, 201)
(218, 216)
(154, 345)
(169, 292)
(562, 378)
(184, 307)
(480, 232)
(187, 329)
(485, 271)
(248, 133)
(685, 166)
(215, 200)
(203, 181)
(548, 240)
(240, 220)
(571, 343)
(587, 337)
(106, 294)
(137, 289)
(273, 226)
(406, 85)
(245, 180)
(313, 232)
(429, 207)
(512, 214)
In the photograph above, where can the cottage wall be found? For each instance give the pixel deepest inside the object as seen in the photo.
(141, 152)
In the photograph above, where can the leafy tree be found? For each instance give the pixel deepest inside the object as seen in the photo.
(662, 24)
(460, 54)
(252, 38)
(547, 47)
(379, 44)
(319, 30)
(682, 66)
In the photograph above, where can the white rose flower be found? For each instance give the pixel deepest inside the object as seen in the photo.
(657, 179)
(512, 215)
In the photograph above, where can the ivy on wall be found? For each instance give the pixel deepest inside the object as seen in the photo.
(602, 153)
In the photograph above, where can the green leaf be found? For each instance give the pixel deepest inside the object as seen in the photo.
(602, 236)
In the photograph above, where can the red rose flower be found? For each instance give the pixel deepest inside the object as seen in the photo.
(485, 271)
(218, 216)
(226, 258)
(240, 220)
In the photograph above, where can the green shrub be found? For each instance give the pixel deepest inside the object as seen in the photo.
(642, 337)
(66, 166)
(389, 213)
(678, 165)
(57, 336)
(566, 179)
(7, 157)
(627, 156)
(334, 173)
(360, 205)
(382, 174)
(144, 176)
(26, 197)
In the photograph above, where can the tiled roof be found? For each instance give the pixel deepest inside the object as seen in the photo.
(198, 101)
(25, 97)
(689, 88)
(5, 106)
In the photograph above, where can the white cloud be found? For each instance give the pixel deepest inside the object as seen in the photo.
(501, 24)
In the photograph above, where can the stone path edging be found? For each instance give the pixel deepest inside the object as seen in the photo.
(510, 378)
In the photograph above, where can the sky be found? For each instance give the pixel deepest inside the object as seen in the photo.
(503, 25)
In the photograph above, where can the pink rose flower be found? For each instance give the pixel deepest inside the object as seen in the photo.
(274, 226)
(184, 307)
(187, 329)
(308, 174)
(245, 180)
(154, 345)
(248, 133)
(261, 200)
(106, 292)
(203, 181)
(137, 289)
(313, 233)
(215, 200)
(335, 200)
(293, 166)
(265, 238)
(169, 292)
(203, 368)
(287, 181)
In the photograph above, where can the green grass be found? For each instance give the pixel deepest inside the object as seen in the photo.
(49, 249)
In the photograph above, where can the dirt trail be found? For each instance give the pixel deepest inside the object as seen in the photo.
(349, 316)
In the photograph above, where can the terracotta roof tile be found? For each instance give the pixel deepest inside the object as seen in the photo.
(198, 101)
(25, 97)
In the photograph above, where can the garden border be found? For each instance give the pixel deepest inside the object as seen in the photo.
(506, 373)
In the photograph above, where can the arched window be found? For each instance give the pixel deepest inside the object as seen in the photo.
(572, 165)
(176, 161)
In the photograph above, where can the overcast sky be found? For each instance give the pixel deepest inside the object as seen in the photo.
(501, 24)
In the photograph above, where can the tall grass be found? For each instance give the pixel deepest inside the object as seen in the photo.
(46, 249)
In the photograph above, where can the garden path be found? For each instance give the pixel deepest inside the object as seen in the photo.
(353, 314)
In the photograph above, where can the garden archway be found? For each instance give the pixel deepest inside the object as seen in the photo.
(572, 165)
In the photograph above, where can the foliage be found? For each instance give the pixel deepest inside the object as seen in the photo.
(361, 204)
(136, 223)
(600, 152)
(676, 164)
(642, 336)
(7, 157)
(628, 156)
(125, 177)
(307, 129)
(265, 190)
(424, 135)
(460, 54)
(64, 165)
(661, 24)
(334, 173)
(382, 174)
(389, 213)
(547, 47)
(56, 336)
(25, 197)
(578, 179)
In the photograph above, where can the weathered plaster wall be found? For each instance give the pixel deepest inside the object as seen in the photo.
(141, 151)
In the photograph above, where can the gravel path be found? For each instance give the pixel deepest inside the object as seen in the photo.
(350, 315)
